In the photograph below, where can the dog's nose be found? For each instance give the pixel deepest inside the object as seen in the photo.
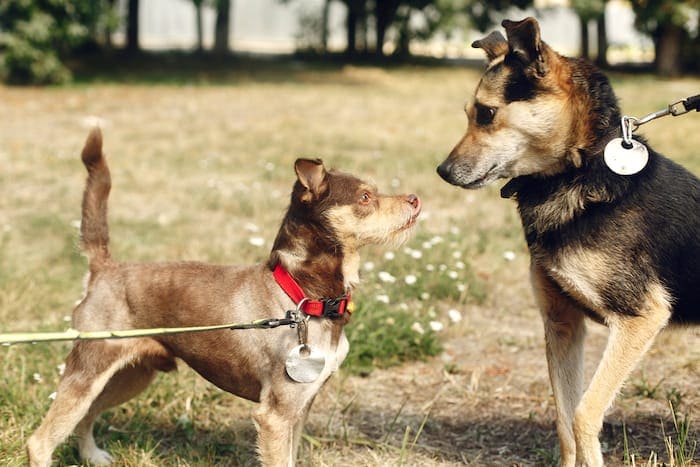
(444, 170)
(414, 201)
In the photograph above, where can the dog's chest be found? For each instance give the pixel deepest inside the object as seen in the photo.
(581, 273)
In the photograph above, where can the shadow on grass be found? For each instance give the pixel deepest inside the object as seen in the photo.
(485, 441)
(155, 439)
(189, 68)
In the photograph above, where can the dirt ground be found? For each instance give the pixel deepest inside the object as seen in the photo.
(486, 400)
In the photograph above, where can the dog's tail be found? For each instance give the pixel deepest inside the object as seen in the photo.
(94, 234)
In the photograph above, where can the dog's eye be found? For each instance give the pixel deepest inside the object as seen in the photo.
(365, 198)
(484, 114)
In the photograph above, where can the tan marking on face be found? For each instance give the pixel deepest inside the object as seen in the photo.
(391, 222)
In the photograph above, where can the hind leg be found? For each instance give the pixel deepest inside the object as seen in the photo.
(124, 385)
(89, 367)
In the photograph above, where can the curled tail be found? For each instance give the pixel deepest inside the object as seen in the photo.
(94, 234)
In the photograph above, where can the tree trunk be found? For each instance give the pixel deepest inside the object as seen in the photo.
(200, 27)
(325, 14)
(109, 45)
(132, 27)
(403, 42)
(222, 28)
(602, 56)
(351, 29)
(585, 40)
(384, 14)
(668, 50)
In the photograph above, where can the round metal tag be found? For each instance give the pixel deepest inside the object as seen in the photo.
(625, 161)
(305, 364)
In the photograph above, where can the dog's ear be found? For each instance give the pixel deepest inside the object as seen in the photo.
(525, 44)
(494, 45)
(312, 176)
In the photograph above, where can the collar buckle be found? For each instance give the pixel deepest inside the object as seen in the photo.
(333, 307)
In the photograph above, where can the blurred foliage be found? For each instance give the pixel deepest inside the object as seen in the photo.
(37, 35)
(673, 26)
(588, 10)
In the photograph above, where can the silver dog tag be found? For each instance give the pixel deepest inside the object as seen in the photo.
(304, 364)
(624, 161)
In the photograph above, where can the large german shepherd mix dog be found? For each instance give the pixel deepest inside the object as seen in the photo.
(622, 250)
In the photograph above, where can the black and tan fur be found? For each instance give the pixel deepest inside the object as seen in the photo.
(622, 250)
(331, 216)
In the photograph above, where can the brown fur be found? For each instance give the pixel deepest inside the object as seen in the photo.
(331, 216)
(622, 250)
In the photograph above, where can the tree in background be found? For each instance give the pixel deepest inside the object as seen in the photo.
(482, 14)
(667, 23)
(199, 23)
(222, 26)
(38, 35)
(587, 11)
(132, 27)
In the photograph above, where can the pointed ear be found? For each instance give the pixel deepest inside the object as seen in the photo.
(525, 44)
(312, 175)
(494, 45)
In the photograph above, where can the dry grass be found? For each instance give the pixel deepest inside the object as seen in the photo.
(196, 166)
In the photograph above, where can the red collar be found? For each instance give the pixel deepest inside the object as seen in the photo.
(327, 307)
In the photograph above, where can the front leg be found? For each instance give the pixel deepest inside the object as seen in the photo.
(564, 332)
(280, 420)
(630, 337)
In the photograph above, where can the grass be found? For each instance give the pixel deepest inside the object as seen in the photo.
(447, 362)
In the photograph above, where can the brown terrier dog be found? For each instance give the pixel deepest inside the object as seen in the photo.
(331, 215)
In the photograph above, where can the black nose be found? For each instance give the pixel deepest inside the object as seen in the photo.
(444, 170)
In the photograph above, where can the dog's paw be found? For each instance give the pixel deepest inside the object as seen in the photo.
(97, 456)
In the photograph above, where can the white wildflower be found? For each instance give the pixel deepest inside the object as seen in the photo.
(389, 255)
(454, 315)
(459, 265)
(417, 327)
(269, 166)
(37, 377)
(424, 296)
(256, 241)
(509, 255)
(383, 298)
(390, 321)
(386, 277)
(436, 326)
(430, 267)
(452, 274)
(456, 254)
(250, 227)
(61, 368)
(52, 396)
(410, 279)
(461, 287)
(416, 254)
(368, 266)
